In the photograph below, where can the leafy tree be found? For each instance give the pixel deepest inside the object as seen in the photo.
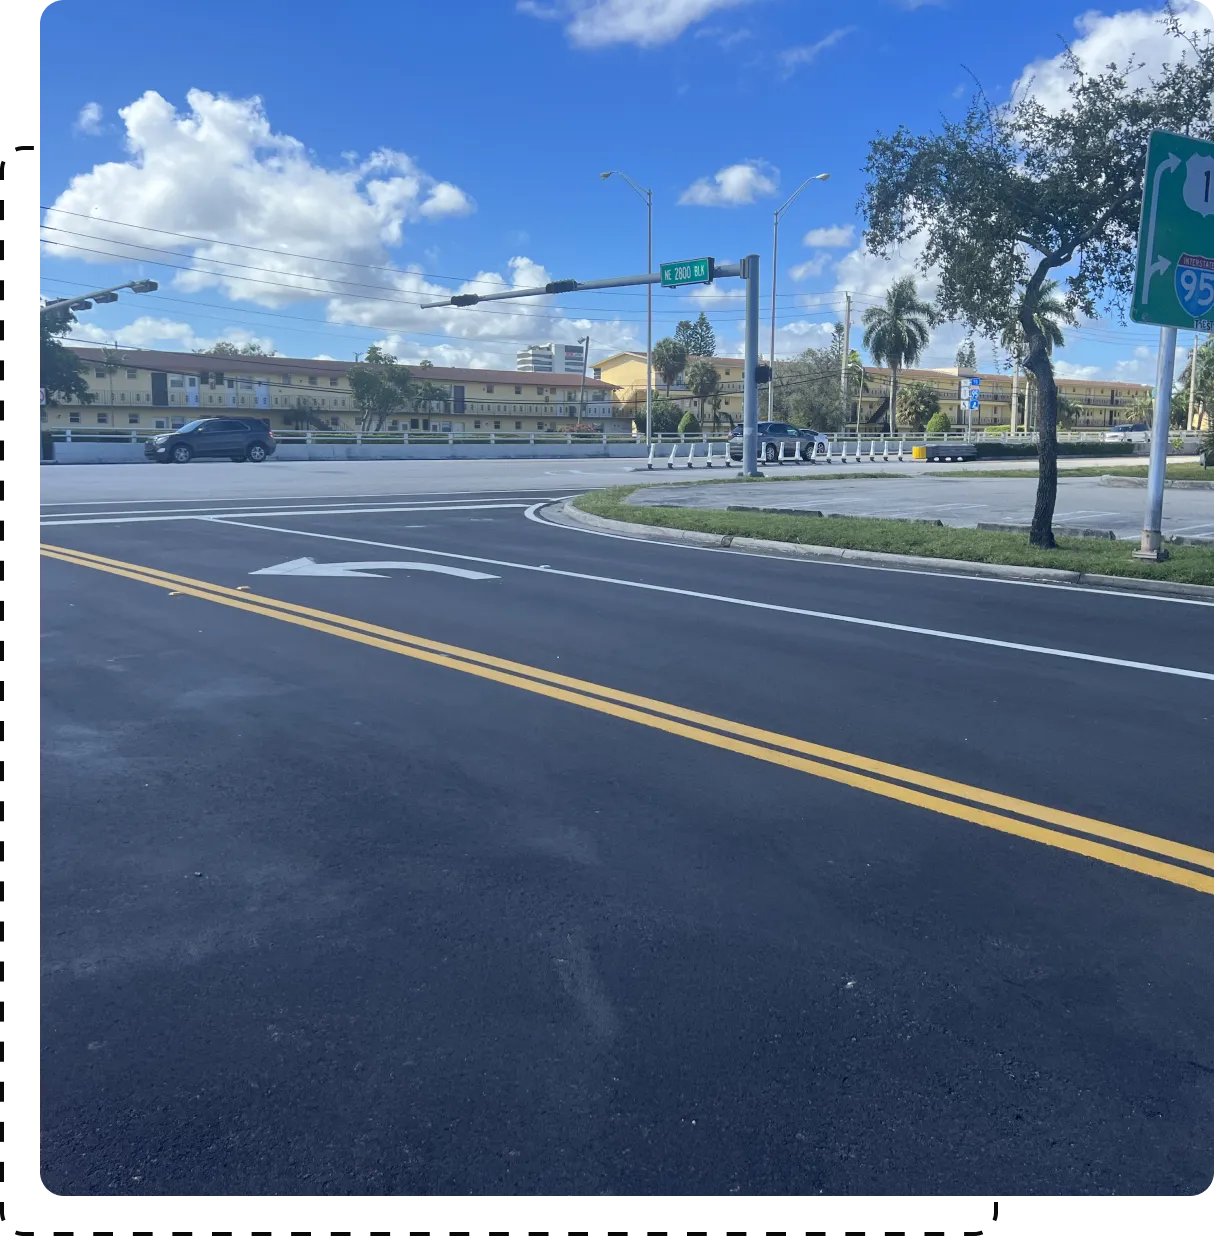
(697, 337)
(689, 424)
(669, 358)
(223, 348)
(967, 357)
(380, 387)
(666, 416)
(896, 333)
(807, 388)
(703, 381)
(62, 371)
(1013, 192)
(1206, 448)
(919, 403)
(939, 423)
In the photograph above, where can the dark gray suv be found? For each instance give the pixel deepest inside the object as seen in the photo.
(214, 437)
(772, 436)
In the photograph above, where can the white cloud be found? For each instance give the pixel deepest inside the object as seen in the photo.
(737, 185)
(1104, 40)
(165, 334)
(919, 4)
(1138, 367)
(793, 58)
(644, 23)
(806, 270)
(839, 236)
(89, 120)
(724, 39)
(220, 171)
(1065, 369)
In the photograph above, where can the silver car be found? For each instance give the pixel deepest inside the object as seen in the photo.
(773, 435)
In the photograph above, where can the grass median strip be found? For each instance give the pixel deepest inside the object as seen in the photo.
(990, 809)
(1187, 564)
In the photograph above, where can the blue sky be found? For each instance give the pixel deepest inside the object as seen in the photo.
(340, 166)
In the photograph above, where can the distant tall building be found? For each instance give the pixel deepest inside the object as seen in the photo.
(551, 358)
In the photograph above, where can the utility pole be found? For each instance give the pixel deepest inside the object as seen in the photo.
(581, 398)
(846, 345)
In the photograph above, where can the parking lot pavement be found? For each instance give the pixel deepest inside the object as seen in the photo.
(586, 865)
(961, 502)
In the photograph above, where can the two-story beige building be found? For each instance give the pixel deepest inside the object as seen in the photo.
(1101, 403)
(148, 390)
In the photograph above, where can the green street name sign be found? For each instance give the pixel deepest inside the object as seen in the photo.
(694, 270)
(1174, 285)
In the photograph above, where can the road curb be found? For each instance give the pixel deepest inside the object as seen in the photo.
(953, 566)
(1140, 482)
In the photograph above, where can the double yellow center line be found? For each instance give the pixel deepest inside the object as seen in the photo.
(1122, 847)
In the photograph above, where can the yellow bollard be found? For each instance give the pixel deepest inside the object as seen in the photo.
(919, 452)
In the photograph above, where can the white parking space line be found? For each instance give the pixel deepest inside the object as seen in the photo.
(824, 615)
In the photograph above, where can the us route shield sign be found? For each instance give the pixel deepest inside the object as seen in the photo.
(1174, 285)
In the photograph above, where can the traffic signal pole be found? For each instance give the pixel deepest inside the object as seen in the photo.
(1152, 524)
(747, 268)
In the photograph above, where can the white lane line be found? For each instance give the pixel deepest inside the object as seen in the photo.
(825, 615)
(354, 510)
(530, 513)
(434, 495)
(266, 510)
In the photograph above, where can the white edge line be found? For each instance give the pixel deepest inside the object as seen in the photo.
(530, 513)
(849, 619)
(367, 510)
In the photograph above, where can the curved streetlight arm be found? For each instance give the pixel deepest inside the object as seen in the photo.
(647, 194)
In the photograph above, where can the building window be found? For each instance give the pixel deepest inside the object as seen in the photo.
(99, 371)
(246, 384)
(413, 424)
(332, 381)
(160, 424)
(497, 424)
(132, 418)
(334, 421)
(518, 390)
(177, 421)
(489, 390)
(476, 424)
(132, 373)
(103, 418)
(519, 425)
(312, 381)
(539, 390)
(73, 418)
(177, 381)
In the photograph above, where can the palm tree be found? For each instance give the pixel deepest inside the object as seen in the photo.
(669, 357)
(703, 382)
(896, 333)
(1050, 311)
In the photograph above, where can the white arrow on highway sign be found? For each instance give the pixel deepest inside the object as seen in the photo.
(363, 570)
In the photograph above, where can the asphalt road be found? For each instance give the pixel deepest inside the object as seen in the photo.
(215, 479)
(959, 501)
(631, 868)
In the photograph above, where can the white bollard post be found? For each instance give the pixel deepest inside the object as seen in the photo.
(859, 448)
(691, 452)
(872, 450)
(708, 457)
(899, 450)
(885, 452)
(670, 461)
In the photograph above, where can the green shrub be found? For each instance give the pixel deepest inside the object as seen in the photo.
(1027, 450)
(1206, 447)
(689, 424)
(939, 423)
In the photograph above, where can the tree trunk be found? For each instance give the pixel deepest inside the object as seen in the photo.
(1038, 364)
(893, 399)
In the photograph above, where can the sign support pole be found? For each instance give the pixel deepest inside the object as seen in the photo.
(750, 387)
(1150, 549)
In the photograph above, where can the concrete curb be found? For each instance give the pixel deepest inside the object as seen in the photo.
(953, 566)
(1140, 482)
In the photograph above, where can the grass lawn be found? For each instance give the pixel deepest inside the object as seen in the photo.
(1187, 564)
(1180, 471)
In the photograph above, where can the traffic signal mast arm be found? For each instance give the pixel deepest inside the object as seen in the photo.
(105, 295)
(566, 285)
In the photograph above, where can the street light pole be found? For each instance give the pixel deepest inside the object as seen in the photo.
(647, 197)
(775, 245)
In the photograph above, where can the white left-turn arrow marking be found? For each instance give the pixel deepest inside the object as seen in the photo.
(364, 570)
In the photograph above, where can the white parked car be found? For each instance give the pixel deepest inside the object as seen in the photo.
(1128, 433)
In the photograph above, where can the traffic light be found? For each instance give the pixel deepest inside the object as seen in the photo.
(105, 298)
(144, 285)
(466, 298)
(762, 374)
